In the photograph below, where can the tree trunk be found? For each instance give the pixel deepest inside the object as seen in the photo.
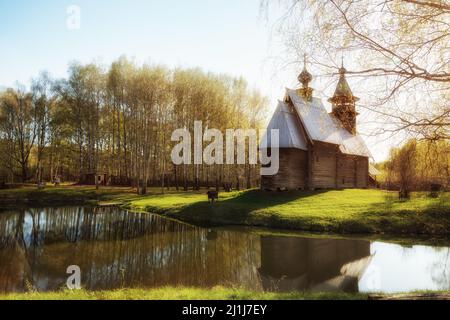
(24, 171)
(175, 169)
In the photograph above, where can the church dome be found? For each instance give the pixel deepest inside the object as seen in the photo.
(305, 78)
(343, 91)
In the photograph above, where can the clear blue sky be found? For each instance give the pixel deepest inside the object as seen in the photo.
(223, 36)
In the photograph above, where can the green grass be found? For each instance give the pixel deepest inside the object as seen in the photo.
(215, 293)
(346, 211)
(64, 195)
(173, 293)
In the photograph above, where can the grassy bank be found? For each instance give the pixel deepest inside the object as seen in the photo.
(346, 211)
(216, 293)
(64, 195)
(172, 293)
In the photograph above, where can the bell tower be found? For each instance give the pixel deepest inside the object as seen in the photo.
(343, 102)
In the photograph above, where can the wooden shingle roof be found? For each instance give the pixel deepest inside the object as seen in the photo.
(286, 122)
(318, 124)
(324, 127)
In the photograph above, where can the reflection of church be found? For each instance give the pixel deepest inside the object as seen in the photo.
(156, 252)
(290, 263)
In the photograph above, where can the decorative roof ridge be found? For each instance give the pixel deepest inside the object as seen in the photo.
(313, 102)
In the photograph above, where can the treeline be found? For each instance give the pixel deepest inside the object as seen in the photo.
(418, 165)
(117, 122)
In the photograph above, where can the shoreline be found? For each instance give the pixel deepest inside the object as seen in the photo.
(215, 293)
(183, 206)
(233, 211)
(293, 211)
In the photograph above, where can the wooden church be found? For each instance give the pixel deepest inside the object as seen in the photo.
(317, 149)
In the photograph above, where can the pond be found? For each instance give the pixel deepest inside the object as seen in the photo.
(115, 248)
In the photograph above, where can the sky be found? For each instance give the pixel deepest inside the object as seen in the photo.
(222, 36)
(225, 36)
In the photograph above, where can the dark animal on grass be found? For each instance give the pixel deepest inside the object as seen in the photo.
(435, 189)
(404, 194)
(212, 196)
(227, 187)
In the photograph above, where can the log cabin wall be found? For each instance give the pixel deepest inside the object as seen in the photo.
(292, 172)
(352, 171)
(323, 166)
(346, 171)
(330, 169)
(362, 172)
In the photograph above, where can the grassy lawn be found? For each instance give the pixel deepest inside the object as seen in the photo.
(346, 211)
(173, 293)
(63, 195)
(216, 293)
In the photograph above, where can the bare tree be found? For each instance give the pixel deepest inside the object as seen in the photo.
(41, 95)
(398, 48)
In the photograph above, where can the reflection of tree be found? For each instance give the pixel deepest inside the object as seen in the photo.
(13, 249)
(14, 268)
(440, 269)
(115, 247)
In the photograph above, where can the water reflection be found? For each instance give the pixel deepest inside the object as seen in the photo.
(315, 264)
(115, 248)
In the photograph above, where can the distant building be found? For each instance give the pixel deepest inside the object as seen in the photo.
(318, 150)
(93, 179)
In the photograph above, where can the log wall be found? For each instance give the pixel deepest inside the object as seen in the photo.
(330, 169)
(292, 172)
(362, 172)
(346, 171)
(324, 167)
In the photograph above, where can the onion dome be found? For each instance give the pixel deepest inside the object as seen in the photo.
(304, 77)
